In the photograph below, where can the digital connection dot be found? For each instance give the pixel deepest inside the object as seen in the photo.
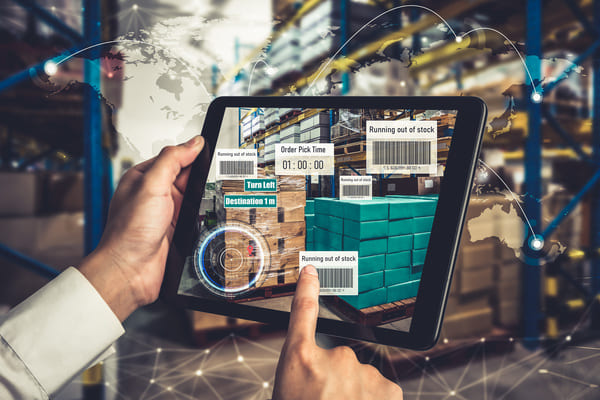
(199, 372)
(50, 68)
(453, 393)
(265, 384)
(536, 243)
(536, 97)
(482, 340)
(427, 358)
(206, 351)
(543, 371)
(445, 340)
(159, 349)
(134, 7)
(169, 388)
(240, 358)
(568, 338)
(152, 381)
(403, 83)
(459, 39)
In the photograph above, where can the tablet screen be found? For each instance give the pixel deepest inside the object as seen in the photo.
(351, 191)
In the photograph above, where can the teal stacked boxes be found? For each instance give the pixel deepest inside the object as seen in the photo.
(329, 225)
(365, 231)
(309, 218)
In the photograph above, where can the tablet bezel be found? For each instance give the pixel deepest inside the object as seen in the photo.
(445, 235)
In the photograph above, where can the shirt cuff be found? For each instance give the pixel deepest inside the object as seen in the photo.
(61, 329)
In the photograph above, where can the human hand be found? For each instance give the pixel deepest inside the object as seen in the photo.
(306, 371)
(128, 265)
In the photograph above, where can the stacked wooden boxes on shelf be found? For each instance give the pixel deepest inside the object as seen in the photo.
(283, 228)
(315, 129)
(391, 235)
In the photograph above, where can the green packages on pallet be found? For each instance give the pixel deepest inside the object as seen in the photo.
(422, 224)
(335, 224)
(365, 247)
(309, 208)
(418, 257)
(365, 210)
(401, 207)
(416, 271)
(334, 241)
(396, 276)
(402, 291)
(398, 260)
(366, 229)
(421, 241)
(401, 227)
(400, 243)
(322, 220)
(370, 281)
(322, 205)
(310, 220)
(370, 264)
(310, 234)
(367, 299)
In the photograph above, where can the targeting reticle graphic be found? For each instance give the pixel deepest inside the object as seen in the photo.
(231, 259)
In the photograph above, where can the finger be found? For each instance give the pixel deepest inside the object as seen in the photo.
(172, 160)
(145, 165)
(305, 307)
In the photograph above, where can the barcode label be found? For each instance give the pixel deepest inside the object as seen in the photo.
(236, 167)
(356, 187)
(401, 153)
(335, 278)
(337, 270)
(401, 147)
(236, 164)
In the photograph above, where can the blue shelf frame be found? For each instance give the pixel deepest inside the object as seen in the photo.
(97, 170)
(532, 313)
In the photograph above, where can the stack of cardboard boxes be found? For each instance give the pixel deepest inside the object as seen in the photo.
(41, 217)
(391, 236)
(283, 228)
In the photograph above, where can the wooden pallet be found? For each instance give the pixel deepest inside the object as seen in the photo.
(268, 292)
(350, 148)
(376, 315)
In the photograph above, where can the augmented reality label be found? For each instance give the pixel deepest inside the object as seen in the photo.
(338, 270)
(304, 159)
(236, 163)
(356, 187)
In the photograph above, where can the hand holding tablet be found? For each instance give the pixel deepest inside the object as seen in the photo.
(371, 191)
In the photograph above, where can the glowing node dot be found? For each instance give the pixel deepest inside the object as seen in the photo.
(106, 383)
(50, 68)
(265, 384)
(240, 358)
(152, 381)
(568, 338)
(206, 351)
(159, 349)
(403, 83)
(445, 340)
(537, 244)
(169, 388)
(511, 339)
(536, 97)
(199, 372)
(53, 8)
(482, 340)
(543, 371)
(453, 393)
(593, 385)
(427, 358)
(134, 7)
(110, 75)
(459, 39)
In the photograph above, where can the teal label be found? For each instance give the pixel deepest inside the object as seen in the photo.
(260, 185)
(250, 201)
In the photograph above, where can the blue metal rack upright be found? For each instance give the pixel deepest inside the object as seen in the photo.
(97, 173)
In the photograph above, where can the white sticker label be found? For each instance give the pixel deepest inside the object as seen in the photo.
(304, 159)
(401, 147)
(338, 271)
(236, 163)
(428, 183)
(356, 187)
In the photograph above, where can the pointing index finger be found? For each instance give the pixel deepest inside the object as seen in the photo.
(305, 307)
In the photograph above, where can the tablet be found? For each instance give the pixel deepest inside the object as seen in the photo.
(372, 191)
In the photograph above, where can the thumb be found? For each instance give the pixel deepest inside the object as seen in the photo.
(172, 159)
(305, 307)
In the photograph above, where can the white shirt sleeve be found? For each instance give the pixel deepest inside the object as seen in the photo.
(53, 336)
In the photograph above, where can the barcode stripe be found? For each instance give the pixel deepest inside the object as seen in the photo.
(330, 278)
(401, 152)
(355, 190)
(236, 167)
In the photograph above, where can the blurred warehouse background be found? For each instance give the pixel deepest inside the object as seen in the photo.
(90, 88)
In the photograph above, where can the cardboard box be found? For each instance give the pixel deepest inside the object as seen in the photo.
(367, 299)
(22, 193)
(468, 324)
(64, 192)
(475, 279)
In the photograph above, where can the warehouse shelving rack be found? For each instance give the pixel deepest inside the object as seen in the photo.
(96, 168)
(535, 113)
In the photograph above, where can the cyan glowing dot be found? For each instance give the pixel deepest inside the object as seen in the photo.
(536, 97)
(50, 68)
(537, 244)
(459, 39)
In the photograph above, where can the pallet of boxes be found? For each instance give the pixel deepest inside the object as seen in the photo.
(486, 287)
(283, 228)
(391, 235)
